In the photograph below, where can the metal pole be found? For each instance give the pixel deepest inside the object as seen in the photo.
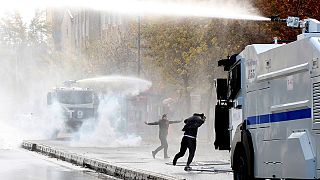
(139, 62)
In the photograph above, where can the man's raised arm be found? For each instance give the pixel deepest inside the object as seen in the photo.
(152, 123)
(172, 122)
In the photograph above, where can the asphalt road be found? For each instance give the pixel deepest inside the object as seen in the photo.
(16, 164)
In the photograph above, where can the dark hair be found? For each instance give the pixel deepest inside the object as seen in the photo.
(200, 114)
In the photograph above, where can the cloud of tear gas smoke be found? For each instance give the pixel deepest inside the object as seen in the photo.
(106, 130)
(230, 9)
(24, 114)
(25, 119)
(109, 129)
(25, 81)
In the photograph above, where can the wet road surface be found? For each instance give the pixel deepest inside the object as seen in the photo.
(211, 164)
(22, 164)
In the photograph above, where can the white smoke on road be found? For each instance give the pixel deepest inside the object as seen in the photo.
(109, 129)
(25, 120)
(25, 115)
(106, 130)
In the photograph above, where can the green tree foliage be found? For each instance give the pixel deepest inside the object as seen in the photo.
(26, 56)
(177, 47)
(13, 40)
(39, 29)
(114, 53)
(13, 30)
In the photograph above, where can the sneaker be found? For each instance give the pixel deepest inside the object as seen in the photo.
(153, 154)
(187, 168)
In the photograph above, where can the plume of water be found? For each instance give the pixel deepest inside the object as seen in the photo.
(116, 84)
(230, 9)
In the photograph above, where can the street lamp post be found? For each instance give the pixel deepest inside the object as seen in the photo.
(139, 61)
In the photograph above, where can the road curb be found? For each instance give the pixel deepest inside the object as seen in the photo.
(96, 164)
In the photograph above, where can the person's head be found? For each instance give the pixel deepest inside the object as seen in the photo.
(164, 116)
(201, 115)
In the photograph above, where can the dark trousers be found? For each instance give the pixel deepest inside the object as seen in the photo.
(187, 143)
(164, 145)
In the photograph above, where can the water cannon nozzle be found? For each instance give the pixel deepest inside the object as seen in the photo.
(291, 21)
(277, 18)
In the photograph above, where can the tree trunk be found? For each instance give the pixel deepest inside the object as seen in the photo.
(187, 93)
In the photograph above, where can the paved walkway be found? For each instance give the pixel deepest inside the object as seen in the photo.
(137, 162)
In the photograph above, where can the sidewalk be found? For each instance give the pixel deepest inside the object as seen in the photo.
(137, 162)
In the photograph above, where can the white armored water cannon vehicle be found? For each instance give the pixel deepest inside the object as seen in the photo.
(274, 94)
(77, 104)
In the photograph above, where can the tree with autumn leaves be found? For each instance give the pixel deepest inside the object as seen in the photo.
(176, 50)
(284, 8)
(186, 50)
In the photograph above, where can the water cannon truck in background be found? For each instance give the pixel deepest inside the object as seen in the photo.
(269, 117)
(77, 104)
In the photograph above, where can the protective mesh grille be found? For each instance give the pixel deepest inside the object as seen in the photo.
(316, 102)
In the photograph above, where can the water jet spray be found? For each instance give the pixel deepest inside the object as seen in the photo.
(209, 9)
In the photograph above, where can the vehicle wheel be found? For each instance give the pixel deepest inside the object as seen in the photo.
(241, 167)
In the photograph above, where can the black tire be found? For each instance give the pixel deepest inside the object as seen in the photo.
(241, 166)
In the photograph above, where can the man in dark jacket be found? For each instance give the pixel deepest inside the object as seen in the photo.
(163, 133)
(189, 140)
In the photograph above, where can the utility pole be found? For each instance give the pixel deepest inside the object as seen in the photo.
(139, 61)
